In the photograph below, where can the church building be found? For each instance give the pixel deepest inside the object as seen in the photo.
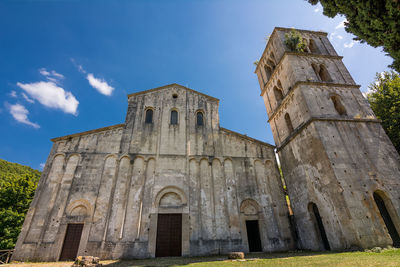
(170, 181)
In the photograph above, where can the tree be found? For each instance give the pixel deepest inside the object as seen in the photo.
(376, 22)
(17, 188)
(384, 97)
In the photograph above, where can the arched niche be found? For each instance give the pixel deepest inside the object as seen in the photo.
(79, 209)
(171, 199)
(249, 207)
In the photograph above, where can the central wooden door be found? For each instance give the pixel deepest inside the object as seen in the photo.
(169, 235)
(71, 242)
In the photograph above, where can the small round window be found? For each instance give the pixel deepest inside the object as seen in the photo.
(174, 96)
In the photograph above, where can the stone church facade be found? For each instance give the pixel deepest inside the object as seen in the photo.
(171, 182)
(170, 168)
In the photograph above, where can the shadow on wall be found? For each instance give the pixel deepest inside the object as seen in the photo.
(171, 261)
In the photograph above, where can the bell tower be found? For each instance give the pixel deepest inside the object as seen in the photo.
(341, 170)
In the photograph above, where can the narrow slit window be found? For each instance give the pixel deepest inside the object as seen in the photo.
(278, 95)
(149, 116)
(199, 119)
(324, 74)
(313, 47)
(288, 123)
(337, 103)
(174, 117)
(268, 72)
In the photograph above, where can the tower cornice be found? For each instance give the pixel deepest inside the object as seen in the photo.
(286, 30)
(321, 118)
(297, 84)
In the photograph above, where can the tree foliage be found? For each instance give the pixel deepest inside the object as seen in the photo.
(376, 22)
(17, 187)
(295, 42)
(384, 97)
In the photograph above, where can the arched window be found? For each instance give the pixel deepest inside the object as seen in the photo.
(278, 95)
(149, 116)
(324, 74)
(313, 47)
(318, 225)
(199, 118)
(338, 105)
(271, 64)
(316, 70)
(174, 117)
(288, 123)
(268, 72)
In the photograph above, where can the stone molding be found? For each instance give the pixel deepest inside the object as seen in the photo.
(297, 84)
(305, 124)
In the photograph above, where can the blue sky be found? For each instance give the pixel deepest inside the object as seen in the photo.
(67, 66)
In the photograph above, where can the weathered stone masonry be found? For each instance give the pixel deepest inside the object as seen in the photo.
(116, 181)
(113, 192)
(337, 161)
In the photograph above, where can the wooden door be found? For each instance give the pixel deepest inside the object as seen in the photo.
(169, 235)
(71, 242)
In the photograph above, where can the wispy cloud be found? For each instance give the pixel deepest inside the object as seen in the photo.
(13, 94)
(78, 66)
(97, 83)
(339, 37)
(100, 85)
(341, 24)
(317, 9)
(349, 44)
(52, 75)
(20, 114)
(41, 165)
(27, 98)
(51, 95)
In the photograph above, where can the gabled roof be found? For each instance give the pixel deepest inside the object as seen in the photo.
(175, 85)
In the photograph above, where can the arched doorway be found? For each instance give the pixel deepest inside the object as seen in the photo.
(384, 211)
(249, 210)
(171, 224)
(318, 225)
(77, 220)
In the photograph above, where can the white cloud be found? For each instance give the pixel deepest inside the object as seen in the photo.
(78, 66)
(349, 45)
(339, 37)
(13, 94)
(41, 166)
(341, 24)
(20, 114)
(44, 72)
(51, 95)
(81, 69)
(27, 98)
(52, 75)
(317, 9)
(100, 85)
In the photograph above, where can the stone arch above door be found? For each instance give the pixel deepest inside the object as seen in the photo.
(170, 197)
(79, 208)
(249, 207)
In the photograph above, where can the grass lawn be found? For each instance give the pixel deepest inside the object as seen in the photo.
(386, 258)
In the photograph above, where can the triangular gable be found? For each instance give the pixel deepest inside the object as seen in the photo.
(171, 85)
